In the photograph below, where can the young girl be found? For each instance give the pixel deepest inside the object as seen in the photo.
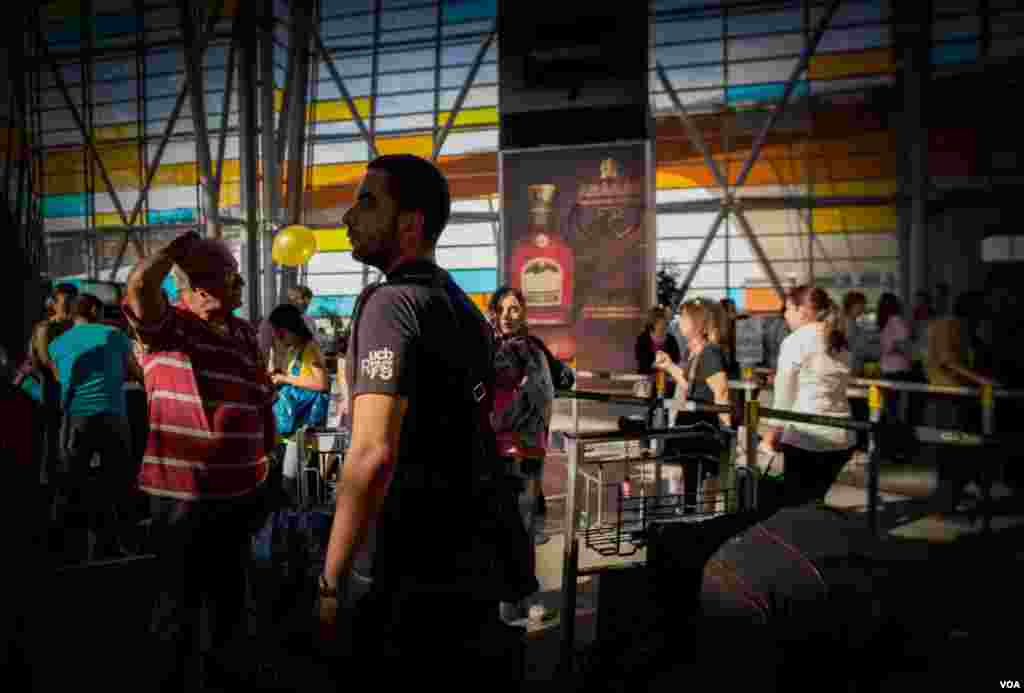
(812, 378)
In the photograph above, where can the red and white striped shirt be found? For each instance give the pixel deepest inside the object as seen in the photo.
(211, 426)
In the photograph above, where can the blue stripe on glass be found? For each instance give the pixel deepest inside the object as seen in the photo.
(955, 53)
(323, 306)
(737, 296)
(71, 205)
(171, 216)
(763, 92)
(474, 281)
(461, 10)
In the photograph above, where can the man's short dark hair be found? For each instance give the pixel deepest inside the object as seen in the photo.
(87, 306)
(417, 186)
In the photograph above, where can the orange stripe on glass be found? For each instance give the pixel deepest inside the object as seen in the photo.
(840, 65)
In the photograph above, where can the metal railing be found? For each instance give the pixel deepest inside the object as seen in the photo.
(751, 413)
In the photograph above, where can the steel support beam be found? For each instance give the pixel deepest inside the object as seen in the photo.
(249, 153)
(762, 257)
(461, 98)
(271, 167)
(776, 203)
(225, 119)
(705, 246)
(755, 152)
(340, 83)
(86, 135)
(194, 71)
(916, 61)
(801, 66)
(179, 103)
(694, 135)
(301, 28)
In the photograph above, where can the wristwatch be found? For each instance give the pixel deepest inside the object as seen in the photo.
(326, 591)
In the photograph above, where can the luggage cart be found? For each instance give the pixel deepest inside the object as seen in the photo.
(617, 537)
(320, 449)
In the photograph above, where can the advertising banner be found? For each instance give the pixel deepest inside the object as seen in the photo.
(577, 239)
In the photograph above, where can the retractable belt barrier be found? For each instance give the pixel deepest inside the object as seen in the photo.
(751, 413)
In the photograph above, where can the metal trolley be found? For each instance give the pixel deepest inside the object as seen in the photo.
(625, 517)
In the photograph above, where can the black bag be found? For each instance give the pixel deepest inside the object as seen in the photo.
(498, 556)
(561, 375)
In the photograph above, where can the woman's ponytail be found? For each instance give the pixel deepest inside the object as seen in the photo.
(835, 335)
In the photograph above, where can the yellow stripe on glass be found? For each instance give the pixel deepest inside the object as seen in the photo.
(337, 109)
(124, 131)
(470, 116)
(857, 188)
(420, 145)
(333, 175)
(332, 240)
(853, 219)
(840, 65)
(109, 218)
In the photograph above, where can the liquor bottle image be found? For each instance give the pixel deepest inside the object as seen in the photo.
(542, 264)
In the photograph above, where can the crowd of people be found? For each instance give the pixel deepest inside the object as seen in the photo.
(443, 404)
(814, 349)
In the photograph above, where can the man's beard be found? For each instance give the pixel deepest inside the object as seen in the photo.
(381, 251)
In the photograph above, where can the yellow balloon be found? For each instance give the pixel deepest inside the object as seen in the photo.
(294, 246)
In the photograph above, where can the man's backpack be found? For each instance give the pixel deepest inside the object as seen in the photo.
(497, 559)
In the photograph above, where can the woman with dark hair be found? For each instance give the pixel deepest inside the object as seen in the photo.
(896, 361)
(727, 335)
(524, 394)
(811, 378)
(653, 339)
(854, 305)
(303, 352)
(305, 369)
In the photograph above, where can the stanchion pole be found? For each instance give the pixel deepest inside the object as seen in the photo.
(570, 558)
(752, 421)
(875, 402)
(988, 427)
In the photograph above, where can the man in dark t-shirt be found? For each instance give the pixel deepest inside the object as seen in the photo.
(409, 467)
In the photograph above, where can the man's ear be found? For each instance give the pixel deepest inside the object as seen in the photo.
(411, 221)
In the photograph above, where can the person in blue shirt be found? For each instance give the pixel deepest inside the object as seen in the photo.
(92, 361)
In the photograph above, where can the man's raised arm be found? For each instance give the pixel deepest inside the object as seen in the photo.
(144, 295)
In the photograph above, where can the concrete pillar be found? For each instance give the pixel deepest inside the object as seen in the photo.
(913, 45)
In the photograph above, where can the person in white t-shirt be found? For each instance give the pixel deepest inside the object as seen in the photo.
(811, 378)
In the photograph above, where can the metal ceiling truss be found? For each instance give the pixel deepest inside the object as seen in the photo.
(201, 46)
(728, 202)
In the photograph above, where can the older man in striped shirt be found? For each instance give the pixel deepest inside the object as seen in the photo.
(211, 431)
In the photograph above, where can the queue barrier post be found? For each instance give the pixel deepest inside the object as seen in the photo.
(876, 400)
(752, 419)
(988, 426)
